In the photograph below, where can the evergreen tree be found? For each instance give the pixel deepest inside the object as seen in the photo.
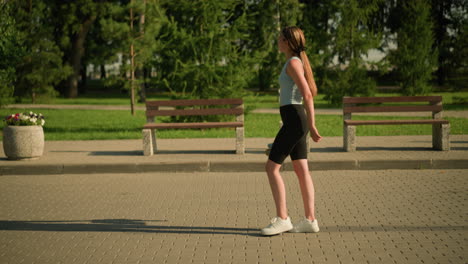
(97, 53)
(203, 54)
(11, 51)
(114, 29)
(315, 23)
(449, 17)
(352, 38)
(41, 67)
(414, 58)
(73, 20)
(267, 19)
(264, 29)
(133, 28)
(460, 62)
(145, 23)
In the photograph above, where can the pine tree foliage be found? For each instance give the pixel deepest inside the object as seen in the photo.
(212, 48)
(414, 58)
(73, 20)
(203, 55)
(11, 51)
(459, 64)
(352, 38)
(41, 67)
(264, 26)
(266, 20)
(120, 32)
(449, 20)
(316, 25)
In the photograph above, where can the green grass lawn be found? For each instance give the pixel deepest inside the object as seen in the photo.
(102, 124)
(451, 100)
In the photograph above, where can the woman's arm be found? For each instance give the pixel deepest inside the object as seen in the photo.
(296, 71)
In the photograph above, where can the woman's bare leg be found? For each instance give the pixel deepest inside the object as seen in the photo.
(301, 168)
(277, 188)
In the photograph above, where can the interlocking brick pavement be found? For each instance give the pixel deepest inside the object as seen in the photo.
(383, 216)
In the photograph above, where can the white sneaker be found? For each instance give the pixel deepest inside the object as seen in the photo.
(277, 226)
(306, 226)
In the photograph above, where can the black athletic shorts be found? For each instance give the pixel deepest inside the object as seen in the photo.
(292, 137)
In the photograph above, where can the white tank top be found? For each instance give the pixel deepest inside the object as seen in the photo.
(289, 92)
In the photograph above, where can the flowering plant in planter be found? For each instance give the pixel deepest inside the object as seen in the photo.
(25, 119)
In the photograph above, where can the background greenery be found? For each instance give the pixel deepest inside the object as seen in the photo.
(110, 52)
(212, 48)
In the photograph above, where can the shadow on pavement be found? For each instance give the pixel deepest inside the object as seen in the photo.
(103, 153)
(340, 149)
(395, 149)
(120, 225)
(117, 153)
(174, 152)
(133, 225)
(216, 152)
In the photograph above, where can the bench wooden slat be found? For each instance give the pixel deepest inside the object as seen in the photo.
(196, 102)
(378, 109)
(391, 99)
(193, 125)
(394, 122)
(193, 112)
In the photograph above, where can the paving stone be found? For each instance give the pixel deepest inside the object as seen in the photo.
(205, 217)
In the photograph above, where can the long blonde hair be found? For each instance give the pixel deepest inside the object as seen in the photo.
(296, 42)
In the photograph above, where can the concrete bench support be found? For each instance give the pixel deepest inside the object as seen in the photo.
(240, 144)
(349, 138)
(440, 137)
(149, 142)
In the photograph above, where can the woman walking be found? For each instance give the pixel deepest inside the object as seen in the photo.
(296, 85)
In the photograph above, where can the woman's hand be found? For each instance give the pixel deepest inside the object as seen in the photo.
(314, 134)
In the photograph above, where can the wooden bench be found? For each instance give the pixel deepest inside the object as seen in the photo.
(440, 127)
(198, 107)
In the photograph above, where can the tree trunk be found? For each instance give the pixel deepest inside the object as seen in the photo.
(132, 79)
(142, 75)
(141, 72)
(84, 79)
(77, 52)
(439, 8)
(132, 67)
(103, 71)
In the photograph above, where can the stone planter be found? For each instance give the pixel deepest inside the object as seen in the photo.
(23, 142)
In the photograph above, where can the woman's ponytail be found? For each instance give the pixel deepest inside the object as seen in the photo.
(308, 73)
(296, 41)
